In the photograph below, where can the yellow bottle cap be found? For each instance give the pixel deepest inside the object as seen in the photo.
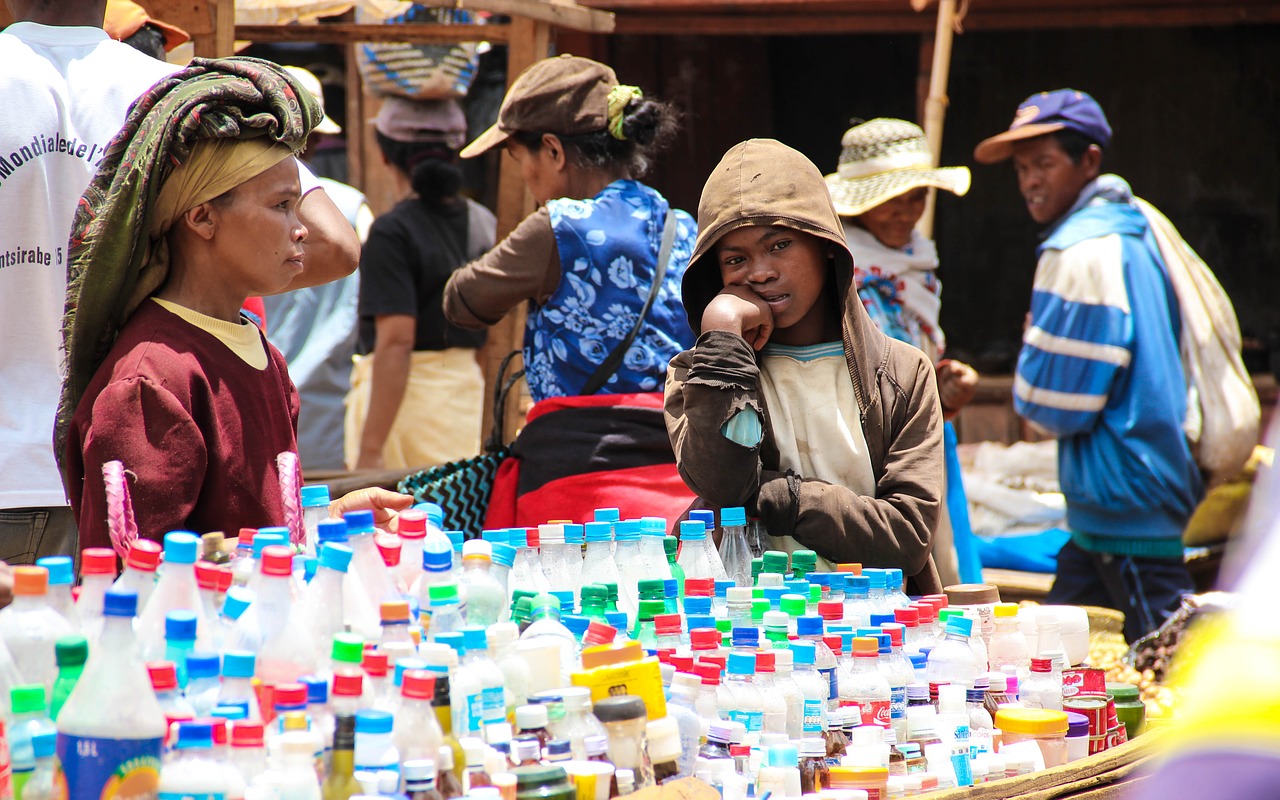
(1031, 721)
(1006, 609)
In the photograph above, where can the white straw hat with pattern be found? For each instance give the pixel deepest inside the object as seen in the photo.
(882, 159)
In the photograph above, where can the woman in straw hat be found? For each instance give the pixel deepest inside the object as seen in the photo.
(879, 190)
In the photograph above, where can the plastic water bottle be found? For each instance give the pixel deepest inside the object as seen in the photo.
(323, 602)
(1009, 647)
(868, 688)
(898, 671)
(545, 627)
(894, 594)
(527, 570)
(192, 770)
(111, 728)
(164, 680)
(485, 597)
(175, 589)
(437, 569)
(97, 573)
(274, 626)
(413, 536)
(139, 574)
(653, 530)
(631, 566)
(202, 682)
(264, 538)
(745, 703)
(42, 784)
(554, 565)
(70, 652)
(29, 627)
(598, 565)
(180, 639)
(809, 628)
(698, 558)
(61, 579)
(368, 565)
(476, 659)
(415, 731)
(236, 688)
(953, 661)
(28, 719)
(315, 509)
(857, 601)
(395, 641)
(573, 541)
(446, 613)
(775, 702)
(735, 554)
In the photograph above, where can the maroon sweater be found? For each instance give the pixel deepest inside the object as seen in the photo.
(197, 429)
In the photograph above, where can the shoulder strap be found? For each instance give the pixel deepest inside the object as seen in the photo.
(610, 365)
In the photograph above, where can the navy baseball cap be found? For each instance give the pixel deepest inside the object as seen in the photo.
(1047, 112)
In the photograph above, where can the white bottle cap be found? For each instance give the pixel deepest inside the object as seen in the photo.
(738, 594)
(477, 547)
(531, 717)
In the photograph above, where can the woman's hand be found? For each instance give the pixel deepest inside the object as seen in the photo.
(739, 310)
(384, 504)
(957, 384)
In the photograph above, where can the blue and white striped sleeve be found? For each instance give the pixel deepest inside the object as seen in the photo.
(1080, 337)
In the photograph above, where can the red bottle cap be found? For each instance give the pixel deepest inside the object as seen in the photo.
(412, 524)
(599, 633)
(418, 684)
(207, 575)
(831, 609)
(709, 673)
(719, 661)
(277, 560)
(938, 600)
(765, 662)
(665, 654)
(144, 555)
(699, 587)
(895, 631)
(246, 734)
(682, 663)
(665, 624)
(531, 537)
(376, 664)
(219, 727)
(909, 617)
(245, 538)
(835, 643)
(224, 578)
(290, 695)
(348, 684)
(164, 675)
(98, 561)
(925, 611)
(389, 546)
(704, 638)
(740, 750)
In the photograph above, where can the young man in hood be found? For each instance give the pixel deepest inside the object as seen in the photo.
(791, 402)
(1100, 366)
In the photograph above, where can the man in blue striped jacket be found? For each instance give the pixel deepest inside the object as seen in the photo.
(1100, 366)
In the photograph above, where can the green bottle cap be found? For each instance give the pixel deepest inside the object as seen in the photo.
(757, 564)
(523, 609)
(27, 698)
(651, 608)
(758, 607)
(725, 626)
(613, 592)
(541, 601)
(774, 561)
(651, 589)
(349, 648)
(794, 605)
(757, 592)
(594, 593)
(815, 593)
(804, 558)
(71, 651)
(671, 544)
(442, 594)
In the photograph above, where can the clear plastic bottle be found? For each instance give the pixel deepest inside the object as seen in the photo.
(631, 567)
(868, 687)
(248, 750)
(176, 588)
(445, 612)
(545, 626)
(202, 681)
(953, 660)
(236, 687)
(502, 637)
(526, 570)
(61, 578)
(735, 553)
(898, 671)
(70, 652)
(476, 659)
(598, 566)
(139, 574)
(29, 718)
(437, 569)
(396, 641)
(112, 712)
(323, 603)
(288, 650)
(42, 785)
(895, 595)
(697, 558)
(707, 700)
(857, 601)
(1008, 644)
(484, 596)
(681, 707)
(179, 640)
(1043, 687)
(792, 696)
(573, 542)
(416, 731)
(29, 626)
(192, 769)
(813, 686)
(554, 565)
(746, 702)
(412, 529)
(775, 702)
(652, 551)
(878, 594)
(809, 628)
(981, 726)
(97, 573)
(371, 570)
(291, 768)
(164, 680)
(623, 717)
(1049, 638)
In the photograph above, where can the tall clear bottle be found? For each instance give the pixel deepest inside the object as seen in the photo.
(97, 573)
(631, 567)
(653, 530)
(412, 529)
(61, 578)
(868, 687)
(1008, 644)
(598, 566)
(953, 660)
(809, 628)
(476, 660)
(288, 651)
(175, 589)
(29, 628)
(416, 731)
(526, 572)
(112, 714)
(483, 595)
(545, 626)
(744, 703)
(735, 553)
(323, 602)
(369, 567)
(139, 573)
(698, 555)
(552, 546)
(574, 538)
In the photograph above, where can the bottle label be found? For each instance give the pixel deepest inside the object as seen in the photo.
(109, 769)
(191, 796)
(833, 686)
(898, 702)
(876, 712)
(813, 715)
(494, 703)
(474, 704)
(751, 720)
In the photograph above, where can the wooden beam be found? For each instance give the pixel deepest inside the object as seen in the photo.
(352, 33)
(561, 13)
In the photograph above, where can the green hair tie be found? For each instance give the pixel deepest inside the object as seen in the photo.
(619, 98)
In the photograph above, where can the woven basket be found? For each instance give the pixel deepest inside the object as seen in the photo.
(1106, 625)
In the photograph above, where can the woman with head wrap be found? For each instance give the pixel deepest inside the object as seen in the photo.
(194, 208)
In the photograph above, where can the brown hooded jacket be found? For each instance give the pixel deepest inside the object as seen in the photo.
(762, 182)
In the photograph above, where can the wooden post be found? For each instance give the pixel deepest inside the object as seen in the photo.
(935, 107)
(530, 42)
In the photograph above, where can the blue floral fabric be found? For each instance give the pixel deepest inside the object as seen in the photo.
(608, 253)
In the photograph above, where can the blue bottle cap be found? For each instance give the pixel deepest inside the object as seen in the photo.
(867, 631)
(893, 579)
(857, 584)
(403, 666)
(503, 554)
(876, 576)
(696, 621)
(693, 530)
(820, 578)
(598, 531)
(741, 664)
(332, 530)
(474, 637)
(628, 530)
(800, 587)
(745, 636)
(695, 605)
(618, 619)
(267, 537)
(918, 660)
(435, 514)
(606, 515)
(309, 566)
(335, 556)
(317, 688)
(960, 624)
(879, 619)
(670, 587)
(732, 517)
(456, 538)
(809, 625)
(885, 641)
(573, 534)
(782, 755)
(359, 521)
(315, 495)
(558, 747)
(180, 625)
(120, 603)
(774, 595)
(802, 652)
(653, 526)
(452, 639)
(181, 547)
(576, 624)
(566, 601)
(44, 743)
(496, 535)
(231, 711)
(839, 627)
(373, 721)
(722, 587)
(237, 600)
(836, 580)
(517, 537)
(704, 515)
(194, 735)
(238, 664)
(60, 569)
(202, 665)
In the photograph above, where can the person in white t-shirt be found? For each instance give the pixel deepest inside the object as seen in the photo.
(68, 88)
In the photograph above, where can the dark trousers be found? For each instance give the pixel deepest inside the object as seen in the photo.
(1147, 590)
(30, 533)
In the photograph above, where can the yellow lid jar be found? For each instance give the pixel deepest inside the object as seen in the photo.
(1046, 727)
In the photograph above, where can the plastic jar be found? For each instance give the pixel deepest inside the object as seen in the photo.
(543, 783)
(1077, 736)
(1046, 727)
(872, 780)
(1130, 709)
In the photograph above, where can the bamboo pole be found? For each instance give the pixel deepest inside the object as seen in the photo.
(935, 106)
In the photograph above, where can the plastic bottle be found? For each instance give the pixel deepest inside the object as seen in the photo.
(775, 702)
(192, 770)
(780, 772)
(1043, 687)
(697, 558)
(412, 530)
(485, 597)
(139, 574)
(813, 686)
(631, 567)
(323, 602)
(545, 627)
(747, 704)
(236, 687)
(653, 552)
(291, 768)
(735, 553)
(445, 614)
(375, 747)
(598, 565)
(476, 659)
(315, 509)
(953, 661)
(248, 750)
(857, 601)
(243, 564)
(868, 687)
(809, 628)
(179, 640)
(416, 731)
(287, 650)
(554, 563)
(70, 653)
(61, 578)
(792, 695)
(396, 642)
(29, 626)
(898, 671)
(112, 712)
(97, 573)
(42, 783)
(682, 708)
(175, 589)
(368, 566)
(164, 680)
(624, 722)
(1008, 644)
(202, 682)
(27, 719)
(437, 569)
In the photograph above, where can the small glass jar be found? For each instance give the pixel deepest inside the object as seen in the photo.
(544, 783)
(624, 717)
(813, 765)
(1046, 727)
(1130, 709)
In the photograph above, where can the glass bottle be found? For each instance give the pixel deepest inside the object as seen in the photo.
(340, 783)
(420, 779)
(624, 718)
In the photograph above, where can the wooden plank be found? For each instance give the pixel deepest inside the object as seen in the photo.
(352, 33)
(561, 14)
(193, 16)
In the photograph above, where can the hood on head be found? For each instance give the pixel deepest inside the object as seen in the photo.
(760, 182)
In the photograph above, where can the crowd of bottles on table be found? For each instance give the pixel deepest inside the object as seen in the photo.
(572, 661)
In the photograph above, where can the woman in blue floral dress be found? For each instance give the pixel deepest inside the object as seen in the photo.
(584, 262)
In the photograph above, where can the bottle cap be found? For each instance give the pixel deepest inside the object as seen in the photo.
(373, 721)
(181, 547)
(896, 631)
(97, 561)
(803, 652)
(573, 533)
(442, 594)
(531, 717)
(376, 664)
(394, 611)
(202, 665)
(972, 594)
(120, 603)
(474, 637)
(418, 770)
(765, 661)
(708, 674)
(144, 555)
(1031, 721)
(746, 637)
(314, 495)
(71, 651)
(704, 515)
(1042, 665)
(653, 526)
(627, 530)
(599, 633)
(419, 684)
(618, 619)
(44, 743)
(733, 517)
(741, 664)
(336, 556)
(704, 638)
(28, 580)
(237, 600)
(164, 675)
(359, 522)
(411, 524)
(348, 648)
(809, 626)
(1077, 724)
(247, 734)
(1005, 610)
(865, 647)
(698, 607)
(60, 570)
(831, 610)
(794, 605)
(1123, 692)
(207, 575)
(835, 643)
(606, 515)
(650, 608)
(667, 624)
(403, 665)
(290, 696)
(598, 532)
(774, 561)
(331, 530)
(348, 683)
(180, 625)
(620, 708)
(908, 617)
(776, 620)
(960, 625)
(276, 560)
(194, 735)
(26, 699)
